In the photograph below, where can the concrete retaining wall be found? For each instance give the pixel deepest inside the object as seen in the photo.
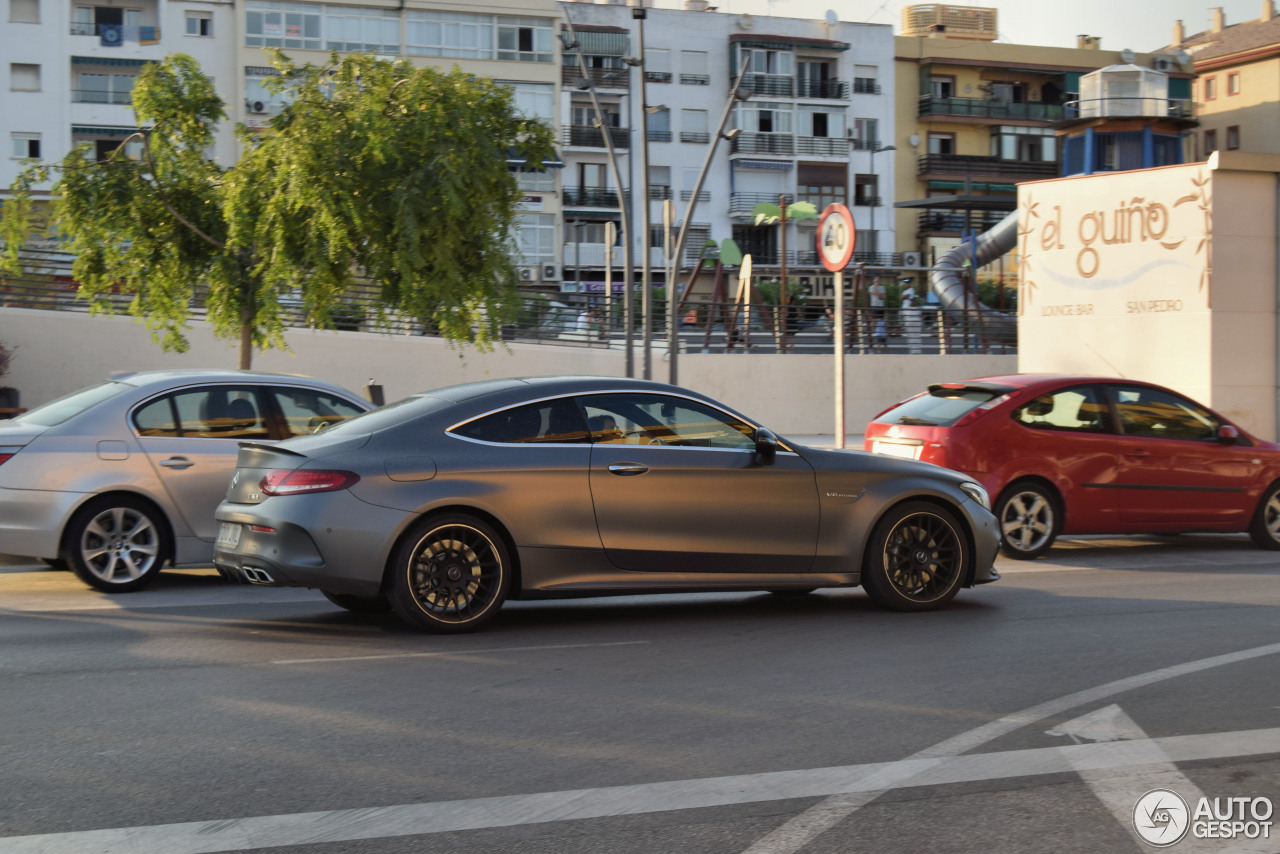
(58, 352)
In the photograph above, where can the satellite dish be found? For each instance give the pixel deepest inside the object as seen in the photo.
(746, 21)
(1128, 56)
(831, 18)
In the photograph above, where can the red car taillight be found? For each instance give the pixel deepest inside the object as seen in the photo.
(4, 456)
(301, 481)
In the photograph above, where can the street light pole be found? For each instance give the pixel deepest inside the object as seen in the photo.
(628, 309)
(673, 262)
(639, 13)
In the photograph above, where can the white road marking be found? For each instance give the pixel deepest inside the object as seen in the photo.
(454, 653)
(798, 831)
(206, 837)
(1142, 766)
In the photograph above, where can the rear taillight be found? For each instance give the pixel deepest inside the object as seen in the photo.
(4, 457)
(302, 481)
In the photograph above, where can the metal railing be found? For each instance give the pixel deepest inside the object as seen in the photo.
(746, 202)
(601, 78)
(958, 221)
(866, 86)
(594, 197)
(588, 320)
(822, 145)
(960, 164)
(591, 137)
(97, 96)
(768, 84)
(1093, 108)
(696, 79)
(988, 108)
(764, 143)
(836, 90)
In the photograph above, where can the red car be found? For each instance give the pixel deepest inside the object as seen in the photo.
(1090, 455)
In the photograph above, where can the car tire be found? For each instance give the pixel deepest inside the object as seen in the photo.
(918, 558)
(1030, 518)
(450, 574)
(1264, 530)
(116, 543)
(56, 563)
(359, 604)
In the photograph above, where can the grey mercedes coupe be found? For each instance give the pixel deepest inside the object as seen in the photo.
(447, 503)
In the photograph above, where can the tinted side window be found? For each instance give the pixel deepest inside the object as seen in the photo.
(649, 419)
(1158, 414)
(214, 412)
(1077, 409)
(548, 421)
(307, 410)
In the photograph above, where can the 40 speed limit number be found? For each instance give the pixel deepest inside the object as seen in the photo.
(836, 237)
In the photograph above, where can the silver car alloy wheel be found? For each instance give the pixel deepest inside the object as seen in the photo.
(1027, 521)
(119, 545)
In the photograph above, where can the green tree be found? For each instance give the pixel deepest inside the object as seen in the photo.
(373, 171)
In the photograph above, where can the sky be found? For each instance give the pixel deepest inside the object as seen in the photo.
(1142, 25)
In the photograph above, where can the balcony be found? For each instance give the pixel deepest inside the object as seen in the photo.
(703, 195)
(585, 136)
(126, 34)
(97, 96)
(768, 84)
(742, 204)
(696, 79)
(989, 108)
(591, 197)
(1146, 107)
(831, 90)
(953, 165)
(866, 86)
(764, 143)
(956, 222)
(867, 201)
(601, 78)
(659, 135)
(822, 145)
(695, 136)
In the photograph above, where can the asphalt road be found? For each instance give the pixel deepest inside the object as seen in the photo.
(1031, 715)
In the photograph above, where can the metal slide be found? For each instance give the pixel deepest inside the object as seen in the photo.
(947, 281)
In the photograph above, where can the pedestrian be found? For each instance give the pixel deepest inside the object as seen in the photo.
(876, 293)
(880, 337)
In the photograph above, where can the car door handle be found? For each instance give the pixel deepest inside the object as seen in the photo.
(177, 463)
(627, 469)
(1137, 455)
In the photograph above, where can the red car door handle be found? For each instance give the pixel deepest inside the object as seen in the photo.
(627, 469)
(1137, 455)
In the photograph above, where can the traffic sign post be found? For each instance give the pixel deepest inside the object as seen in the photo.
(836, 238)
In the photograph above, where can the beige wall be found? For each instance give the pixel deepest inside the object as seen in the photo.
(59, 352)
(1178, 287)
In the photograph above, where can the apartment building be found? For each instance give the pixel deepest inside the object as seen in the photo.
(1238, 82)
(975, 117)
(816, 97)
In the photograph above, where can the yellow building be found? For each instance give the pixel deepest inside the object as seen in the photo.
(975, 116)
(1238, 82)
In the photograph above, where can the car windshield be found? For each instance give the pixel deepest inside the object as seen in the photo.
(939, 407)
(59, 410)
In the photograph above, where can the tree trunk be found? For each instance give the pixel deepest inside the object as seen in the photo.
(246, 339)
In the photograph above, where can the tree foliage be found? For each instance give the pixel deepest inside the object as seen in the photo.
(373, 171)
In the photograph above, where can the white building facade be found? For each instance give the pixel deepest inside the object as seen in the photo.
(817, 97)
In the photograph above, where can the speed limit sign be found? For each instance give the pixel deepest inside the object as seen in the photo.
(836, 237)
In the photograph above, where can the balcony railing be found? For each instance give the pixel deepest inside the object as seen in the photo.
(659, 192)
(866, 86)
(601, 78)
(97, 96)
(592, 197)
(591, 137)
(867, 201)
(824, 145)
(148, 34)
(658, 76)
(958, 221)
(1106, 107)
(829, 89)
(659, 135)
(764, 143)
(959, 164)
(989, 108)
(696, 79)
(703, 196)
(744, 203)
(769, 84)
(694, 136)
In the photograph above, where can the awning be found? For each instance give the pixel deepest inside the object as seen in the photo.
(110, 60)
(103, 130)
(781, 165)
(516, 160)
(785, 42)
(960, 185)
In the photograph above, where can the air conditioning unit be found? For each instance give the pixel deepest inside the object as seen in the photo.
(550, 273)
(1163, 63)
(911, 259)
(528, 274)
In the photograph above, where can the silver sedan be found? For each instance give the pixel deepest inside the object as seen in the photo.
(446, 504)
(115, 479)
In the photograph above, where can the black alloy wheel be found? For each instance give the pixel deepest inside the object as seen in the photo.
(450, 574)
(917, 559)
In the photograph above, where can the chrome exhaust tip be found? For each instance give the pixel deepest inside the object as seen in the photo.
(253, 575)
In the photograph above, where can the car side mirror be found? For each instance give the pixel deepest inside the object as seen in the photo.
(1228, 435)
(766, 446)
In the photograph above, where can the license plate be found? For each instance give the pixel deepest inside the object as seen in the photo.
(897, 449)
(228, 535)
